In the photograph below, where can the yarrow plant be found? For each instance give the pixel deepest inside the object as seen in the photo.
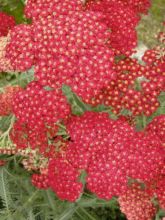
(69, 119)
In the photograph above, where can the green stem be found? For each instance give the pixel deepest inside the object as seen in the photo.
(4, 190)
(61, 126)
(79, 215)
(144, 121)
(86, 213)
(25, 204)
(6, 133)
(49, 196)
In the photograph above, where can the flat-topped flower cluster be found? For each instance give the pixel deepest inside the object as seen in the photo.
(87, 46)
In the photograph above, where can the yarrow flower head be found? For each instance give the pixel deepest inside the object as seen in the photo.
(79, 45)
(64, 46)
(36, 9)
(157, 127)
(7, 22)
(87, 134)
(70, 52)
(136, 204)
(40, 181)
(24, 135)
(20, 49)
(121, 93)
(71, 44)
(111, 152)
(160, 191)
(123, 37)
(140, 6)
(6, 99)
(41, 104)
(64, 179)
(156, 55)
(37, 110)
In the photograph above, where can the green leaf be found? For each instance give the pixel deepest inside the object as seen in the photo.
(77, 105)
(83, 177)
(48, 88)
(126, 112)
(14, 8)
(67, 213)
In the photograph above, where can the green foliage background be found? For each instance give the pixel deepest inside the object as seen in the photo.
(19, 200)
(151, 24)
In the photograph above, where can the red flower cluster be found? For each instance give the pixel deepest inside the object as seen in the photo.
(24, 136)
(72, 44)
(122, 93)
(160, 191)
(88, 134)
(153, 56)
(157, 127)
(63, 179)
(7, 22)
(6, 99)
(37, 110)
(66, 40)
(42, 8)
(111, 156)
(40, 181)
(137, 204)
(20, 50)
(122, 18)
(140, 6)
(155, 61)
(64, 47)
(110, 169)
(36, 104)
(156, 55)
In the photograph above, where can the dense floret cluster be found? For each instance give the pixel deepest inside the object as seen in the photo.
(64, 47)
(66, 40)
(100, 146)
(20, 50)
(36, 104)
(154, 56)
(34, 9)
(121, 19)
(135, 88)
(137, 204)
(157, 127)
(63, 179)
(160, 191)
(86, 46)
(7, 22)
(6, 99)
(37, 110)
(88, 135)
(40, 181)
